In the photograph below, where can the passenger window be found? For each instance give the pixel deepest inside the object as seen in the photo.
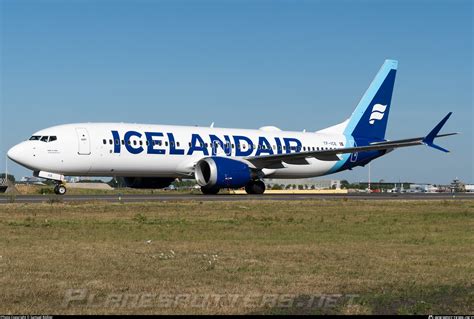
(141, 143)
(110, 142)
(189, 144)
(135, 142)
(177, 144)
(117, 142)
(123, 142)
(166, 143)
(104, 141)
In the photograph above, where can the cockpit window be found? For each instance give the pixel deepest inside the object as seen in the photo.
(45, 139)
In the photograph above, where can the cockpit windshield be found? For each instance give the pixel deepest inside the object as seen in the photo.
(43, 138)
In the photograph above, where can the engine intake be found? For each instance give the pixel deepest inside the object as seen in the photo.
(221, 172)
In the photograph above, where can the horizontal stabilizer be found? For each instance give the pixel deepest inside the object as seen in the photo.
(429, 139)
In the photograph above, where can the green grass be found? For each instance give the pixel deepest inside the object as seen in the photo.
(398, 257)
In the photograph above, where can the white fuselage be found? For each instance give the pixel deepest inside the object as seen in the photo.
(109, 149)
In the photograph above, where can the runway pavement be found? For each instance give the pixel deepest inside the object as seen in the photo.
(224, 197)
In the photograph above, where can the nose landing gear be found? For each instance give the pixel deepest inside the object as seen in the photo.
(60, 189)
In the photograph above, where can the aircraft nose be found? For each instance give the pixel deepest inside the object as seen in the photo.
(16, 153)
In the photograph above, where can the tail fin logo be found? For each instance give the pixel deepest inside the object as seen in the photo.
(378, 111)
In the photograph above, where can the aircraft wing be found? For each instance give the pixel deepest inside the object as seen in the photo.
(274, 161)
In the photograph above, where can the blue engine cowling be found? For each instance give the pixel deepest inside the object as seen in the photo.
(221, 172)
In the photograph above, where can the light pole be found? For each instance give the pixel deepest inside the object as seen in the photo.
(6, 170)
(368, 186)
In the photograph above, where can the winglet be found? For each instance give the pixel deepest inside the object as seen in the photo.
(429, 139)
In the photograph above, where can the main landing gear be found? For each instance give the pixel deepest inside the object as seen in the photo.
(60, 189)
(209, 190)
(256, 187)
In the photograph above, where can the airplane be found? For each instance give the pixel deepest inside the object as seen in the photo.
(153, 156)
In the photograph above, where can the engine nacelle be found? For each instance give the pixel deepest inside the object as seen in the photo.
(148, 182)
(221, 172)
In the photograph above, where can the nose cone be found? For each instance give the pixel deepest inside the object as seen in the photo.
(16, 153)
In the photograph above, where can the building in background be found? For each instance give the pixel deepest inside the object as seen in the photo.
(457, 186)
(31, 180)
(303, 183)
(422, 188)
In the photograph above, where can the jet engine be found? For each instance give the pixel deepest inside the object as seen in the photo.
(220, 172)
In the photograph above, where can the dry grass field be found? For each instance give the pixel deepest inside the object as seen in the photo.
(297, 257)
(47, 190)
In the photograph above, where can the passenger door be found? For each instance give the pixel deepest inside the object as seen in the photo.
(84, 141)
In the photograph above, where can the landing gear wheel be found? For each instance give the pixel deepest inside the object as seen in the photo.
(255, 187)
(209, 190)
(60, 189)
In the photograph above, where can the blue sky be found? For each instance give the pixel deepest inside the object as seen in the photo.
(294, 64)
